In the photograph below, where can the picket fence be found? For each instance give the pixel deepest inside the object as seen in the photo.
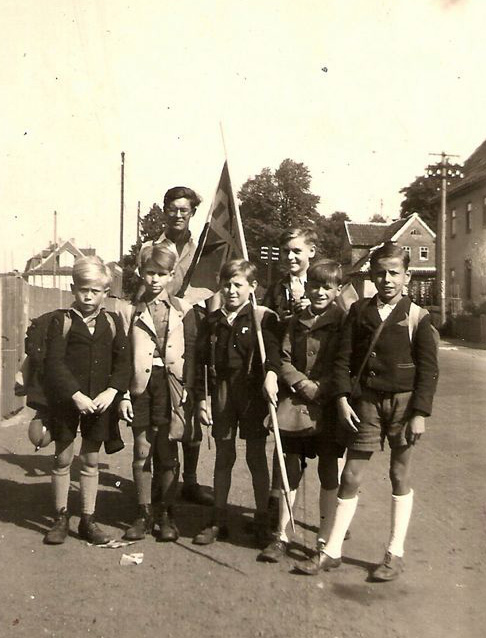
(19, 303)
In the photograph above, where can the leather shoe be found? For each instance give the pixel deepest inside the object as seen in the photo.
(89, 531)
(194, 493)
(210, 534)
(168, 531)
(273, 552)
(141, 525)
(319, 562)
(58, 532)
(391, 568)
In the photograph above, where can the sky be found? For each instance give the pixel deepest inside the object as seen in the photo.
(359, 91)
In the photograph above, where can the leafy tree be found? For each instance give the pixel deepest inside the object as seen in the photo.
(152, 227)
(421, 197)
(377, 218)
(274, 200)
(331, 233)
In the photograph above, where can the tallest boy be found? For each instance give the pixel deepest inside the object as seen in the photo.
(180, 204)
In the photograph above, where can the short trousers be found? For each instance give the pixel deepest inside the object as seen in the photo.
(382, 415)
(64, 424)
(152, 407)
(320, 444)
(237, 405)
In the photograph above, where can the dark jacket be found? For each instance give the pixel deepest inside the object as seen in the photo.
(225, 348)
(309, 348)
(87, 362)
(395, 365)
(279, 298)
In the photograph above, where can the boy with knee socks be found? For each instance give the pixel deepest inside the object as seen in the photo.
(397, 373)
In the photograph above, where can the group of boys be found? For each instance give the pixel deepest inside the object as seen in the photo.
(169, 367)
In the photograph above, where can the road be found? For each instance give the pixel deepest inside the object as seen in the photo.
(181, 590)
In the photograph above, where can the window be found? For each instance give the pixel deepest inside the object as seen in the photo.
(453, 222)
(415, 232)
(468, 217)
(484, 211)
(408, 250)
(424, 253)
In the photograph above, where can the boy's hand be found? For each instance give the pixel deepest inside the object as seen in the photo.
(125, 410)
(270, 387)
(416, 427)
(302, 303)
(84, 404)
(104, 400)
(347, 416)
(308, 390)
(202, 413)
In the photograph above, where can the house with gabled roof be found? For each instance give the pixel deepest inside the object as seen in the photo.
(53, 266)
(466, 235)
(412, 233)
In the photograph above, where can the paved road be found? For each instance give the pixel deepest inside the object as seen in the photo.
(182, 591)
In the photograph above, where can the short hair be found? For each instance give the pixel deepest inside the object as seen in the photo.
(389, 250)
(159, 254)
(308, 235)
(326, 271)
(177, 192)
(91, 268)
(238, 267)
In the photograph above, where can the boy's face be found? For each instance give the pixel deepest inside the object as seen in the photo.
(295, 254)
(321, 295)
(178, 215)
(236, 291)
(390, 277)
(88, 295)
(155, 277)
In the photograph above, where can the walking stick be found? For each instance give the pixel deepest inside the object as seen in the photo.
(274, 420)
(207, 396)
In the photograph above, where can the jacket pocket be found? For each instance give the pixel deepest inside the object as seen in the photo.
(405, 366)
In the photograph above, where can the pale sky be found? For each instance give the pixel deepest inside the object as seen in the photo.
(83, 80)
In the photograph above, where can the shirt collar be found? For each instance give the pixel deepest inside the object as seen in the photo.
(232, 314)
(162, 297)
(86, 318)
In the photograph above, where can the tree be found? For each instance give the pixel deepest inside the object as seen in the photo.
(152, 226)
(377, 219)
(331, 233)
(421, 197)
(274, 200)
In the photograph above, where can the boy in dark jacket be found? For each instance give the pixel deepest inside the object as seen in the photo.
(397, 380)
(86, 370)
(230, 352)
(308, 350)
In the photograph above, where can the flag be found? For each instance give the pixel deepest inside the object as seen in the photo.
(220, 241)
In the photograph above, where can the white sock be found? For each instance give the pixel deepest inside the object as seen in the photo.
(283, 515)
(274, 493)
(61, 481)
(401, 510)
(327, 510)
(346, 507)
(88, 486)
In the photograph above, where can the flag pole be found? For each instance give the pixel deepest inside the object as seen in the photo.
(261, 348)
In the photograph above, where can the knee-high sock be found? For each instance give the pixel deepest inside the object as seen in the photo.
(327, 510)
(401, 510)
(169, 477)
(191, 457)
(61, 481)
(346, 507)
(142, 477)
(88, 484)
(276, 478)
(283, 514)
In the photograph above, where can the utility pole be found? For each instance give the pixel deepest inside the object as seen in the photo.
(54, 266)
(122, 203)
(444, 171)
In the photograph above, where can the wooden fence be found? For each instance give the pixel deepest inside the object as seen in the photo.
(19, 303)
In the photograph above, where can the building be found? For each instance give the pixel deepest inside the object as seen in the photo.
(412, 233)
(466, 236)
(52, 267)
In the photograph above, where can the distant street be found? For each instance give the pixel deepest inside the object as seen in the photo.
(220, 591)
